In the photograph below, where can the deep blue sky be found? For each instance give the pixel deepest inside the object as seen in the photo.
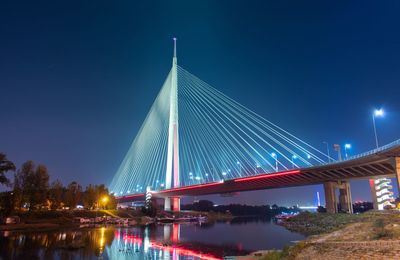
(78, 77)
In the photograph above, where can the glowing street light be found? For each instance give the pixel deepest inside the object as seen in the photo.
(377, 113)
(104, 200)
(293, 158)
(276, 160)
(346, 147)
(240, 167)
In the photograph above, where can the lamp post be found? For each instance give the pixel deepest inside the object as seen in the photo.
(240, 168)
(257, 168)
(293, 157)
(346, 147)
(377, 113)
(327, 150)
(105, 199)
(276, 160)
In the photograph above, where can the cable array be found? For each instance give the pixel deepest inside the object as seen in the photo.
(219, 139)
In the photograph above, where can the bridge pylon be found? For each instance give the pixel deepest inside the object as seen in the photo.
(173, 139)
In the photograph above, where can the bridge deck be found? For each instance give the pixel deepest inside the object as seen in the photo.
(379, 164)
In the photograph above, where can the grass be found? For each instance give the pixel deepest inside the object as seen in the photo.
(318, 223)
(288, 252)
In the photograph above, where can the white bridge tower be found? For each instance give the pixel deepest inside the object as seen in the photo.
(173, 139)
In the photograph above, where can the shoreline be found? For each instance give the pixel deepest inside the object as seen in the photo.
(371, 235)
(53, 220)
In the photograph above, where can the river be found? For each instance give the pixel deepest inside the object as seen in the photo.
(209, 241)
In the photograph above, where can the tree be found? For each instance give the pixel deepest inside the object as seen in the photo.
(73, 194)
(89, 197)
(31, 184)
(41, 186)
(5, 166)
(203, 205)
(56, 194)
(24, 184)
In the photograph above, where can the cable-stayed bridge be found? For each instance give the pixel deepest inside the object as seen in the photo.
(196, 141)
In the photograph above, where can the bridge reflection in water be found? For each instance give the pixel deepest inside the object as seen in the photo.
(137, 243)
(173, 241)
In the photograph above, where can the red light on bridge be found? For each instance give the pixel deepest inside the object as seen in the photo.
(131, 196)
(192, 187)
(266, 176)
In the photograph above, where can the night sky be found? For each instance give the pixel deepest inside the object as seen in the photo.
(78, 77)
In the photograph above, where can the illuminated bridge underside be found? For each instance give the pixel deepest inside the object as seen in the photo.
(380, 164)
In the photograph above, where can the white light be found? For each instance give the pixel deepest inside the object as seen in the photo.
(378, 112)
(206, 174)
(162, 184)
(198, 178)
(224, 173)
(348, 146)
(294, 156)
(128, 191)
(190, 173)
(308, 156)
(273, 155)
(229, 170)
(238, 162)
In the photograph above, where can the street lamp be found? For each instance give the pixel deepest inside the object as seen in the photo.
(327, 151)
(104, 200)
(257, 167)
(276, 160)
(346, 147)
(377, 113)
(293, 157)
(240, 168)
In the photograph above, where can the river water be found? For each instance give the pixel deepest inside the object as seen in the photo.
(171, 241)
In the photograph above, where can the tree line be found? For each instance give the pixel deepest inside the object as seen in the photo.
(32, 190)
(238, 209)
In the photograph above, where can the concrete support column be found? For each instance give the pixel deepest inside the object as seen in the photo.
(373, 193)
(172, 203)
(167, 204)
(176, 204)
(330, 197)
(331, 201)
(346, 204)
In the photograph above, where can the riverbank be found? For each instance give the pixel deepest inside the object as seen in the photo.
(372, 235)
(56, 219)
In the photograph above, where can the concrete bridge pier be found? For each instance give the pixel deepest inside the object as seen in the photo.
(331, 200)
(172, 203)
(176, 204)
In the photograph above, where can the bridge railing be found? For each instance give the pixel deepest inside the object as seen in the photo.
(374, 151)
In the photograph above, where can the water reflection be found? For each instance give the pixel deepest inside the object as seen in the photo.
(172, 241)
